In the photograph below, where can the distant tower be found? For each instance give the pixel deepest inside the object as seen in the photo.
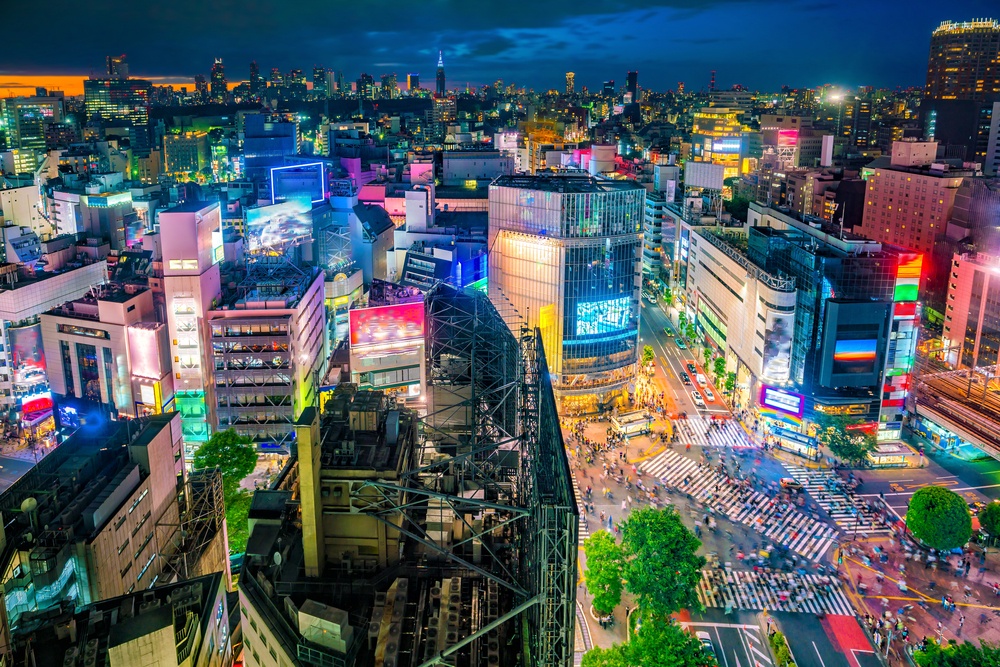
(218, 86)
(570, 82)
(440, 75)
(117, 67)
(255, 79)
(711, 83)
(632, 85)
(680, 87)
(412, 81)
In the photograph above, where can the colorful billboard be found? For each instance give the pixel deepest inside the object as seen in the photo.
(27, 356)
(281, 225)
(783, 401)
(387, 324)
(855, 356)
(788, 138)
(777, 353)
(603, 317)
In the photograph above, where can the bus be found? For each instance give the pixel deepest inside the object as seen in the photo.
(631, 423)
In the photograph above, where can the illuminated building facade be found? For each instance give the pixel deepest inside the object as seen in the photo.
(23, 123)
(717, 137)
(191, 242)
(570, 83)
(971, 337)
(964, 61)
(219, 87)
(118, 101)
(441, 87)
(565, 254)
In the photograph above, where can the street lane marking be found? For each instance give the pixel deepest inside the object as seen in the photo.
(816, 648)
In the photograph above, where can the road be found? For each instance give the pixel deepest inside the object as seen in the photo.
(833, 641)
(737, 638)
(11, 470)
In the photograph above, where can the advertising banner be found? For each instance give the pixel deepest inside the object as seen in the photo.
(387, 324)
(778, 347)
(782, 401)
(27, 356)
(279, 225)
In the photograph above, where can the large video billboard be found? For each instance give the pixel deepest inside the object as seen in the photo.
(777, 365)
(855, 338)
(387, 324)
(602, 317)
(855, 356)
(279, 225)
(27, 356)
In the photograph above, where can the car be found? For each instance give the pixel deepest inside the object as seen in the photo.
(789, 483)
(651, 298)
(976, 507)
(692, 369)
(685, 378)
(698, 400)
(669, 332)
(709, 396)
(680, 343)
(702, 379)
(706, 642)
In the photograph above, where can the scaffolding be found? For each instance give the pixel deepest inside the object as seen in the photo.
(490, 444)
(198, 524)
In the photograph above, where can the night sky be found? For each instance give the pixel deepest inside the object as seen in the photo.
(762, 45)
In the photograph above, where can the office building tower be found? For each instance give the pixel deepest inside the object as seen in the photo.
(366, 87)
(609, 89)
(390, 88)
(632, 85)
(861, 128)
(319, 89)
(393, 581)
(296, 76)
(412, 81)
(255, 80)
(570, 82)
(565, 253)
(269, 346)
(964, 62)
(201, 88)
(971, 337)
(277, 78)
(975, 215)
(24, 122)
(121, 103)
(441, 88)
(717, 137)
(185, 153)
(117, 67)
(191, 243)
(219, 87)
(268, 139)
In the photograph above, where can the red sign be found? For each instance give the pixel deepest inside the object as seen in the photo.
(387, 324)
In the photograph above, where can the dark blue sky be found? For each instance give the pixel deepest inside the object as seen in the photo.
(762, 45)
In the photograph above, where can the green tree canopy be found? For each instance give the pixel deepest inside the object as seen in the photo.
(657, 643)
(719, 366)
(989, 518)
(730, 382)
(647, 354)
(852, 445)
(237, 524)
(662, 566)
(603, 575)
(958, 655)
(232, 453)
(939, 518)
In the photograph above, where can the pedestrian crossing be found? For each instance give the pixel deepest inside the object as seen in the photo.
(774, 591)
(823, 486)
(584, 526)
(789, 527)
(699, 431)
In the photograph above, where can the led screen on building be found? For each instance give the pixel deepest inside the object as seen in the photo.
(778, 347)
(855, 356)
(387, 324)
(279, 225)
(782, 401)
(27, 356)
(602, 317)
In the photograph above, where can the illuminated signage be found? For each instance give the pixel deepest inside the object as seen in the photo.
(144, 351)
(27, 356)
(601, 317)
(782, 401)
(387, 324)
(855, 356)
(322, 192)
(279, 225)
(788, 138)
(726, 146)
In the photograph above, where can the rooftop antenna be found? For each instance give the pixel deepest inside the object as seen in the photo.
(711, 83)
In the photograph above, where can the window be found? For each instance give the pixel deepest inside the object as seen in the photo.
(145, 567)
(123, 547)
(274, 656)
(120, 521)
(126, 569)
(138, 500)
(75, 330)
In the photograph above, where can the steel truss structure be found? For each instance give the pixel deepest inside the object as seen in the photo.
(490, 447)
(199, 522)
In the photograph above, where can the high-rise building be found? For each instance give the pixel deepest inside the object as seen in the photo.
(277, 78)
(320, 91)
(117, 67)
(570, 82)
(971, 337)
(366, 87)
(441, 88)
(862, 123)
(185, 153)
(964, 62)
(412, 81)
(117, 102)
(632, 85)
(390, 87)
(255, 80)
(609, 88)
(219, 88)
(24, 123)
(201, 88)
(565, 253)
(717, 137)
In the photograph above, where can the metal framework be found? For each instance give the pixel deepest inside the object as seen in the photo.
(198, 524)
(492, 427)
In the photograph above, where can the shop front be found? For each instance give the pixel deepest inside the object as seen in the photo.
(796, 443)
(945, 439)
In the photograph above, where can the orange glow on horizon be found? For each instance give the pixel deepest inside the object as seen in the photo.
(17, 85)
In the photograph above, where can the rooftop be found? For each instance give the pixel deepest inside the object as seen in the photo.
(567, 183)
(190, 207)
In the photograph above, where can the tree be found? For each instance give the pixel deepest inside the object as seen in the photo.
(237, 526)
(851, 444)
(958, 655)
(690, 332)
(668, 296)
(719, 366)
(657, 643)
(603, 575)
(662, 566)
(989, 518)
(738, 207)
(232, 453)
(647, 354)
(730, 382)
(939, 518)
(682, 319)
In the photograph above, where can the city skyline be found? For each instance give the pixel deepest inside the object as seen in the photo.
(534, 51)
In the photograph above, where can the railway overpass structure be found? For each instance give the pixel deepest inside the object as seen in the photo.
(965, 402)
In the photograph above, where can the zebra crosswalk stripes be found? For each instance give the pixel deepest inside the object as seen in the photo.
(791, 528)
(584, 526)
(849, 513)
(699, 431)
(746, 589)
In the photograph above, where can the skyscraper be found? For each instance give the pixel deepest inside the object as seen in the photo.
(121, 102)
(390, 87)
(440, 74)
(366, 86)
(570, 82)
(609, 88)
(201, 87)
(319, 83)
(255, 80)
(117, 67)
(632, 85)
(964, 62)
(276, 77)
(219, 89)
(412, 81)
